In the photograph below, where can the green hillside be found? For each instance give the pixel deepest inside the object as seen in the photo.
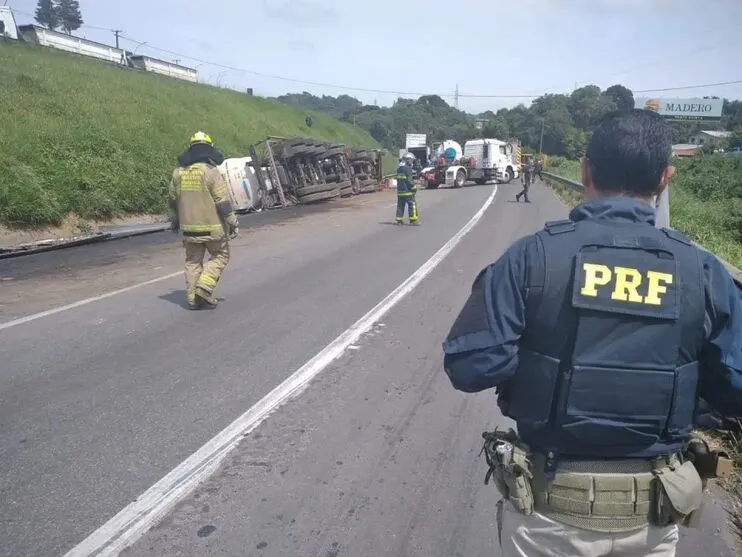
(85, 137)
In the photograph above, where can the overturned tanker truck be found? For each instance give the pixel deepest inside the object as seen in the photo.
(303, 170)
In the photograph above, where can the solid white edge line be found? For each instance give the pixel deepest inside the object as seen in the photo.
(132, 522)
(47, 313)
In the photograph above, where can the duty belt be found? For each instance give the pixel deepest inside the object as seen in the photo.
(605, 496)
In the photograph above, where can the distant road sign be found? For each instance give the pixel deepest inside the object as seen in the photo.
(682, 109)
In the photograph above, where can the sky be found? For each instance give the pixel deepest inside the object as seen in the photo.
(498, 53)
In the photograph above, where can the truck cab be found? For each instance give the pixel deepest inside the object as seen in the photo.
(490, 159)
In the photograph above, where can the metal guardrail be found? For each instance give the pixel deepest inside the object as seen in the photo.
(662, 207)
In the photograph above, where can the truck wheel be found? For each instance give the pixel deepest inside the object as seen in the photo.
(460, 179)
(508, 176)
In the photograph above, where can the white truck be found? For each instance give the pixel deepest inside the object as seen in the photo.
(415, 145)
(485, 160)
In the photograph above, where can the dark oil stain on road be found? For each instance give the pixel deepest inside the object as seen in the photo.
(206, 531)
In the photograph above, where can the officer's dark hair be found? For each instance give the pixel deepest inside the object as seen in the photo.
(629, 151)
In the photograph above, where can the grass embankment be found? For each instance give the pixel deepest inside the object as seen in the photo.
(706, 204)
(83, 137)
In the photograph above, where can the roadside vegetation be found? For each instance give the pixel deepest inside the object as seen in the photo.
(705, 204)
(85, 138)
(705, 200)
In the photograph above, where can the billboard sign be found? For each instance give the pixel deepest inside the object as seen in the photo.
(415, 140)
(683, 109)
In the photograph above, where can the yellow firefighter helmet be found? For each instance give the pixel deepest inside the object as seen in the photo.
(201, 137)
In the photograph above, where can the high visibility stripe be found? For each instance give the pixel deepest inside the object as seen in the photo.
(202, 227)
(207, 280)
(405, 193)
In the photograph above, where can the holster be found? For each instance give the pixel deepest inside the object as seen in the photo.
(709, 464)
(508, 462)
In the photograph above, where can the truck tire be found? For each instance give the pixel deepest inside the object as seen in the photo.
(508, 176)
(321, 196)
(460, 179)
(310, 190)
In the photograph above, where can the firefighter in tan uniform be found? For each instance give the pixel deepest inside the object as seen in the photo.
(205, 218)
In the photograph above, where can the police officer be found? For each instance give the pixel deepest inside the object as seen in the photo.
(539, 167)
(205, 217)
(599, 333)
(406, 191)
(526, 179)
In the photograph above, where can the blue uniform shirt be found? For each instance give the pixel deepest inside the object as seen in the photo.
(404, 180)
(487, 359)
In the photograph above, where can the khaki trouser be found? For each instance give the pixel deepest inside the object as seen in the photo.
(538, 536)
(206, 276)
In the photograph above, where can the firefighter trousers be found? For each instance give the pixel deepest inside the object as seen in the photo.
(204, 276)
(411, 204)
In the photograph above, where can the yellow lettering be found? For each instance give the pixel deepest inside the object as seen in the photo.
(626, 284)
(654, 288)
(595, 275)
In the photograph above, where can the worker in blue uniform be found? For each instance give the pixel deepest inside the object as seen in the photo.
(599, 334)
(406, 191)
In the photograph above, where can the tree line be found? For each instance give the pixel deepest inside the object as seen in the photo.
(559, 124)
(65, 14)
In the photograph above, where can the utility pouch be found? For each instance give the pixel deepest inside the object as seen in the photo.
(510, 467)
(678, 491)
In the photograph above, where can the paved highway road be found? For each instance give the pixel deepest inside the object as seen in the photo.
(377, 456)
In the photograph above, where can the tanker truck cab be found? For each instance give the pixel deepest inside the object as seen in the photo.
(490, 159)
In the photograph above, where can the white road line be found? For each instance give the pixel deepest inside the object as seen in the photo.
(47, 313)
(135, 519)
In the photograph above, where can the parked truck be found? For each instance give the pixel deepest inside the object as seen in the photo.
(445, 153)
(415, 144)
(485, 160)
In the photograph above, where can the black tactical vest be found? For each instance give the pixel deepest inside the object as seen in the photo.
(609, 359)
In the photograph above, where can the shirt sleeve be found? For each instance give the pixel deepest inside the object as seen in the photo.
(174, 191)
(721, 360)
(481, 349)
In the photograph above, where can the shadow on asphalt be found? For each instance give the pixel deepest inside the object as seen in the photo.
(177, 297)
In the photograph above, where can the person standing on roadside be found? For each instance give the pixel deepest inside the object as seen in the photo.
(600, 333)
(526, 179)
(539, 167)
(204, 215)
(406, 191)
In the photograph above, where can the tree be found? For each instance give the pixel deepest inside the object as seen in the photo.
(70, 17)
(47, 14)
(622, 96)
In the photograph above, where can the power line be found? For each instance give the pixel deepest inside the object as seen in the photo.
(404, 93)
(456, 95)
(736, 82)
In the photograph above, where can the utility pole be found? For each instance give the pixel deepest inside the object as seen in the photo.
(456, 97)
(117, 32)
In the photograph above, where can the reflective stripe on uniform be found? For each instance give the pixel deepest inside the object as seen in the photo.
(206, 228)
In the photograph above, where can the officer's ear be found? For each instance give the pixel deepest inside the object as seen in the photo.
(668, 173)
(587, 179)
